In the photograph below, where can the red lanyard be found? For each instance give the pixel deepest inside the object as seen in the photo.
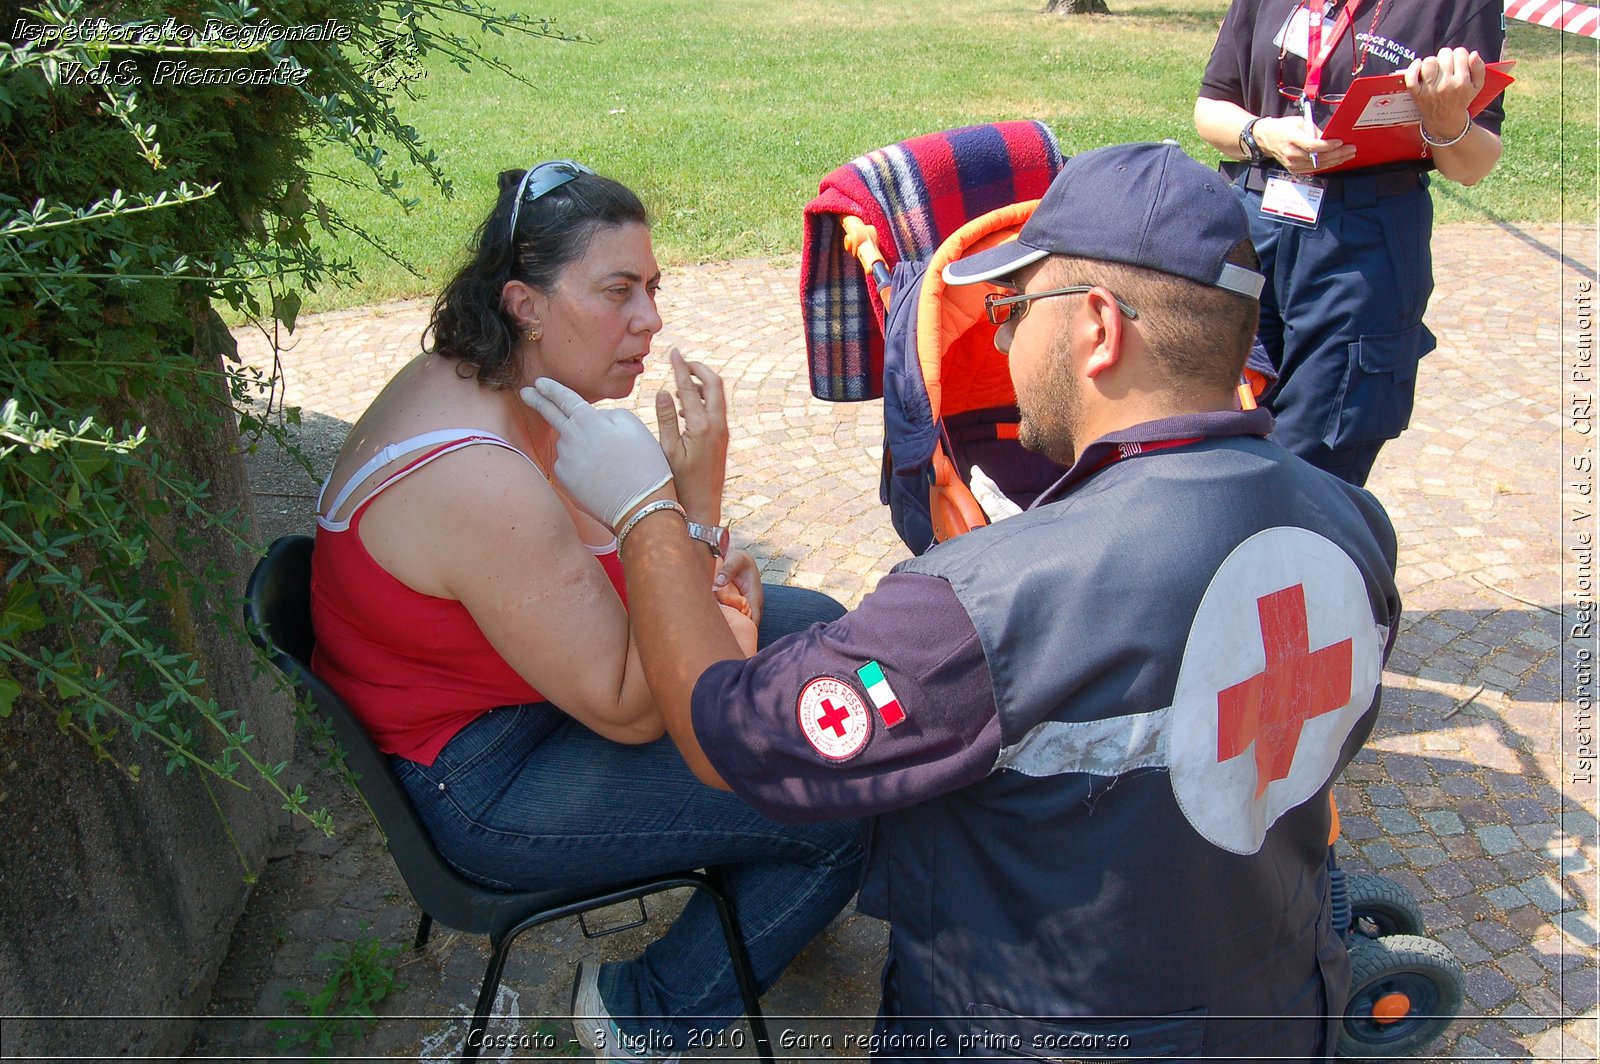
(1128, 450)
(1318, 53)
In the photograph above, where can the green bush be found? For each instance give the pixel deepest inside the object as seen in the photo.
(154, 160)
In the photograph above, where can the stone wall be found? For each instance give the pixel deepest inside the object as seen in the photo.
(117, 899)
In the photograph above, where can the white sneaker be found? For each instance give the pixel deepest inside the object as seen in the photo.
(596, 1030)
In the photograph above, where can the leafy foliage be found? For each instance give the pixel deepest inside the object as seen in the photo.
(362, 975)
(154, 159)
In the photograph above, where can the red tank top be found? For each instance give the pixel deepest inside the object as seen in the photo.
(415, 669)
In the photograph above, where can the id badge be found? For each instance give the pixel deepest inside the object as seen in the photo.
(1295, 35)
(1292, 198)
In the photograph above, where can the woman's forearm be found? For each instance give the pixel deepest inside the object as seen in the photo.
(1218, 122)
(1470, 159)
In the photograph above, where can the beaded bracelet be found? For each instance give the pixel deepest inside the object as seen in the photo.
(1458, 138)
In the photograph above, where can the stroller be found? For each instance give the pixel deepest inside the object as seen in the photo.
(890, 329)
(881, 323)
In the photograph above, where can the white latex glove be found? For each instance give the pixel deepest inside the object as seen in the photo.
(606, 459)
(991, 498)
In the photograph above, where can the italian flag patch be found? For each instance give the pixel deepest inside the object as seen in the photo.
(882, 695)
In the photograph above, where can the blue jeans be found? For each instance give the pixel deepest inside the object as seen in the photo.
(525, 797)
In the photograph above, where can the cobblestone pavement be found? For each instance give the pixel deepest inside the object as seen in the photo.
(1472, 794)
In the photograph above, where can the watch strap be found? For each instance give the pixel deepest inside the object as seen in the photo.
(1247, 141)
(713, 536)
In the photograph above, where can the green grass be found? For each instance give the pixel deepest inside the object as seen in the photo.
(1552, 116)
(724, 115)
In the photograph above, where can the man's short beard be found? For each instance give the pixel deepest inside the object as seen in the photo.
(1057, 400)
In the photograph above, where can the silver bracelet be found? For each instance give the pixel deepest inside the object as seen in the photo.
(1458, 138)
(646, 511)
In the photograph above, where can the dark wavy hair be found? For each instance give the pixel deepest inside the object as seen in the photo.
(469, 324)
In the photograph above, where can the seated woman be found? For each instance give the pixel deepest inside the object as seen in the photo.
(473, 618)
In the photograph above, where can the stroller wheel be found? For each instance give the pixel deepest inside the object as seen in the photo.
(1380, 906)
(1404, 991)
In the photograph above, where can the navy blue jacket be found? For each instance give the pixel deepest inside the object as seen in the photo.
(1102, 783)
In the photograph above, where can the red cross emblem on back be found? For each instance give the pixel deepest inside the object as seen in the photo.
(1270, 708)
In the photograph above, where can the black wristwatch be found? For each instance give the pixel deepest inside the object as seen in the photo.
(1247, 141)
(714, 536)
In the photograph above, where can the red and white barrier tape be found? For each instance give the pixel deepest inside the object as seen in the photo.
(1557, 14)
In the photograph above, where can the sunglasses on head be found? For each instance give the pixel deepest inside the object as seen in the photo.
(541, 179)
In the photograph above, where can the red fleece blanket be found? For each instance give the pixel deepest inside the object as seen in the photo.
(916, 193)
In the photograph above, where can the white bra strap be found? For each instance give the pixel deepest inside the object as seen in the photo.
(456, 438)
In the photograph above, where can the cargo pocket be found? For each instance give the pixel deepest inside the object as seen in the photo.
(1379, 386)
(994, 1032)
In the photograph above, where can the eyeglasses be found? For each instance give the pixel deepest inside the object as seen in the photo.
(541, 179)
(1358, 58)
(1000, 308)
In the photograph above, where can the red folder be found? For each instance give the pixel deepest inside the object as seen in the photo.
(1378, 116)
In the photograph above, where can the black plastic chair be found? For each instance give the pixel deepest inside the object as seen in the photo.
(278, 613)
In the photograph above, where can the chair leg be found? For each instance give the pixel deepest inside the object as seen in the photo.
(742, 970)
(424, 926)
(491, 982)
(712, 882)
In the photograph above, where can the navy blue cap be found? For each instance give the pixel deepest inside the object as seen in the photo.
(1146, 205)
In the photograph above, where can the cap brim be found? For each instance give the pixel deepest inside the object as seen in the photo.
(999, 261)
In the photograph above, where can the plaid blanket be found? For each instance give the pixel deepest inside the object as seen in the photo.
(916, 193)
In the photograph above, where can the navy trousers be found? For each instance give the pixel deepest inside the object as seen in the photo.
(1341, 319)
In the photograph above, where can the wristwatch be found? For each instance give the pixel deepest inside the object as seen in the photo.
(1247, 141)
(713, 536)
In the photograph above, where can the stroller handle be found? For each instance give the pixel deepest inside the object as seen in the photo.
(861, 240)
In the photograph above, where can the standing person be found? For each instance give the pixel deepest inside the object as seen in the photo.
(474, 620)
(1341, 314)
(1097, 736)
